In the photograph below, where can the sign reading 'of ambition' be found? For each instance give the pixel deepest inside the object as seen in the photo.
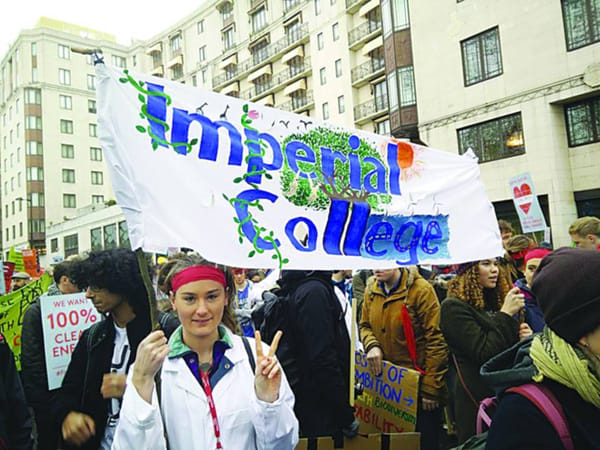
(251, 186)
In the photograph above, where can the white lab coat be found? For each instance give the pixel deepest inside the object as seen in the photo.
(246, 423)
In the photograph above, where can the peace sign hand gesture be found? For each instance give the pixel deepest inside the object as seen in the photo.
(267, 378)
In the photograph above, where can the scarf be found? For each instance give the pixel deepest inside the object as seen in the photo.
(558, 360)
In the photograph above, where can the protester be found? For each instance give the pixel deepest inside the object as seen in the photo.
(506, 230)
(342, 285)
(532, 313)
(15, 420)
(585, 232)
(246, 299)
(322, 348)
(477, 322)
(87, 406)
(210, 397)
(19, 280)
(400, 323)
(256, 275)
(33, 359)
(359, 282)
(517, 247)
(564, 359)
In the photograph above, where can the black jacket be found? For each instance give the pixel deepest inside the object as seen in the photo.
(15, 421)
(518, 424)
(82, 393)
(323, 351)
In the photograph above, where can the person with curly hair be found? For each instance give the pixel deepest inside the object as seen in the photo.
(215, 392)
(88, 404)
(477, 322)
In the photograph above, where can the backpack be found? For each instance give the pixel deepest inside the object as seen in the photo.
(537, 394)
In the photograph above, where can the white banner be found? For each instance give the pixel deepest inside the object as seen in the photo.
(527, 204)
(64, 317)
(251, 186)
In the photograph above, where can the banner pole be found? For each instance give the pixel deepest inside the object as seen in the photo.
(143, 266)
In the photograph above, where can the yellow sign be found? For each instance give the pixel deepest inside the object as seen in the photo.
(17, 258)
(12, 311)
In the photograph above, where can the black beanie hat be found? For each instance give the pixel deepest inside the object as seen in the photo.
(567, 288)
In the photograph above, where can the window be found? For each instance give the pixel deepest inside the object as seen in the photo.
(66, 126)
(260, 51)
(582, 22)
(33, 123)
(64, 52)
(227, 11)
(110, 236)
(33, 49)
(119, 61)
(34, 148)
(204, 76)
(177, 71)
(34, 174)
(323, 75)
(91, 82)
(335, 31)
(33, 96)
(341, 104)
(494, 139)
(65, 101)
(98, 199)
(71, 245)
(96, 238)
(37, 199)
(481, 57)
(64, 77)
(92, 106)
(54, 245)
(34, 74)
(69, 201)
(200, 26)
(124, 235)
(202, 53)
(338, 68)
(583, 122)
(320, 43)
(67, 151)
(38, 225)
(383, 128)
(317, 7)
(325, 108)
(228, 38)
(175, 43)
(380, 93)
(407, 86)
(93, 130)
(259, 19)
(95, 154)
(97, 177)
(68, 175)
(293, 31)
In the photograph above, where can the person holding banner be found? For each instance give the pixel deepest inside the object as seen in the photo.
(88, 404)
(400, 323)
(477, 319)
(210, 394)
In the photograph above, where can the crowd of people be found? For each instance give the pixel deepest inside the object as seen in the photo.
(181, 364)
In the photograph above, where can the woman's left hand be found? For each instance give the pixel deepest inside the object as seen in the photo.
(267, 378)
(525, 331)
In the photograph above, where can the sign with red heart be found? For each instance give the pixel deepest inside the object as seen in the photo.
(526, 203)
(519, 193)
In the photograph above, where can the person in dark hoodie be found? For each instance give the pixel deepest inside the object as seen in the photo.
(322, 346)
(532, 313)
(564, 358)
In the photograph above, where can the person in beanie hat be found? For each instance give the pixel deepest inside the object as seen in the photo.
(563, 360)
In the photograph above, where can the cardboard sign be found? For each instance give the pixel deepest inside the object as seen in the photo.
(64, 317)
(251, 186)
(12, 310)
(389, 402)
(527, 204)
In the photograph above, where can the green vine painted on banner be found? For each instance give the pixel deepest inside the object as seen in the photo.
(260, 231)
(144, 114)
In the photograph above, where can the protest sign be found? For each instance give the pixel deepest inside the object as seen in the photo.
(64, 317)
(8, 269)
(251, 186)
(527, 204)
(389, 402)
(16, 257)
(30, 262)
(12, 310)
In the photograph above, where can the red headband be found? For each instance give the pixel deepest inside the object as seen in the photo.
(536, 253)
(196, 273)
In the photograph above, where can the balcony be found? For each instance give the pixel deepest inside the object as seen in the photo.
(278, 80)
(367, 71)
(363, 33)
(353, 5)
(298, 104)
(371, 109)
(267, 55)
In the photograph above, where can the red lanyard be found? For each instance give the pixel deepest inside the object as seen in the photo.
(211, 406)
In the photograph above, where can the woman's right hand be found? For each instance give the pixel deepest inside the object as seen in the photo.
(77, 428)
(375, 360)
(513, 302)
(151, 353)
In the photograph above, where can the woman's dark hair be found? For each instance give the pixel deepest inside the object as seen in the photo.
(117, 271)
(65, 268)
(183, 261)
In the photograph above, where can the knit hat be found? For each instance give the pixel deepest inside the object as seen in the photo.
(568, 292)
(536, 253)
